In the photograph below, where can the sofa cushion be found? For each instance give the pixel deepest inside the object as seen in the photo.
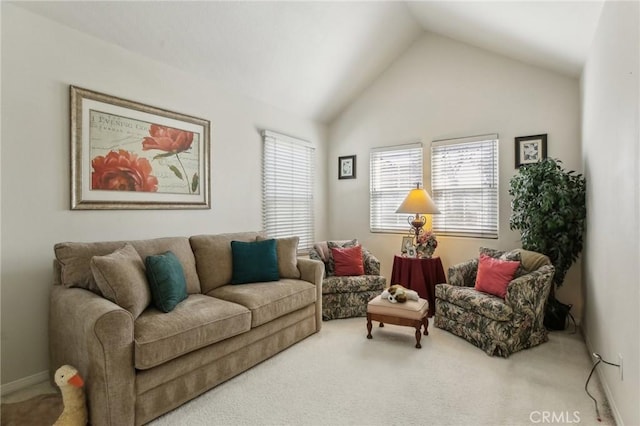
(75, 262)
(511, 255)
(181, 248)
(330, 265)
(532, 260)
(120, 276)
(166, 280)
(494, 275)
(500, 254)
(213, 257)
(75, 259)
(197, 322)
(347, 261)
(255, 261)
(358, 284)
(469, 298)
(268, 301)
(287, 249)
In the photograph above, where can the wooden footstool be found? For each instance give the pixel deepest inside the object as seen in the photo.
(412, 313)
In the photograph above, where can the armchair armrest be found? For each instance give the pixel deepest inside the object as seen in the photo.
(371, 263)
(313, 272)
(463, 274)
(529, 292)
(95, 336)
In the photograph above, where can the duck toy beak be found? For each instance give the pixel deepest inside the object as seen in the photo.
(76, 381)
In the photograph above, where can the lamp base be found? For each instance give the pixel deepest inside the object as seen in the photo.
(417, 223)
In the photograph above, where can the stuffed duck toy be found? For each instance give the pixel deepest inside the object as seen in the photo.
(75, 409)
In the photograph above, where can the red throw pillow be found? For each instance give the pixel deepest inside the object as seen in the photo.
(494, 275)
(348, 261)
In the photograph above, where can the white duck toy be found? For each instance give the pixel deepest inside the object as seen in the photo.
(75, 409)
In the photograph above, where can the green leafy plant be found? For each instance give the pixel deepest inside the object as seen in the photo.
(549, 210)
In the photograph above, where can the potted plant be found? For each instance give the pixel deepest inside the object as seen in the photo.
(549, 210)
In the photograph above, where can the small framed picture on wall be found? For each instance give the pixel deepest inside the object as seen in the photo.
(347, 167)
(530, 149)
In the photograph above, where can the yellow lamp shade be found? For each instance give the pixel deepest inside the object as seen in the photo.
(418, 202)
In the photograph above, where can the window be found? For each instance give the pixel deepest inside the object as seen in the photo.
(464, 182)
(394, 171)
(287, 188)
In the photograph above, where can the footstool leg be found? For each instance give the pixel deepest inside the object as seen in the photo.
(369, 336)
(418, 336)
(426, 326)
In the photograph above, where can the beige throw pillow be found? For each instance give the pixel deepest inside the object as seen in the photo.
(120, 276)
(214, 259)
(532, 260)
(287, 251)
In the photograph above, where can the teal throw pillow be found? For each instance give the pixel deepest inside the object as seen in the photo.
(166, 280)
(254, 262)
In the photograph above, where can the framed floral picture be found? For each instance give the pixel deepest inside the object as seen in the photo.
(126, 155)
(530, 149)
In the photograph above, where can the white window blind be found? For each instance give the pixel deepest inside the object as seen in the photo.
(464, 182)
(394, 171)
(287, 188)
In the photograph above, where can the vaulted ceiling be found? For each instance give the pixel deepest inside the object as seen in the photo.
(314, 58)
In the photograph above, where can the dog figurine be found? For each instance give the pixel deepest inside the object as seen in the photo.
(399, 294)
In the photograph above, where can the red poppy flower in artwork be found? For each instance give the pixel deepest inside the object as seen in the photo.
(167, 139)
(122, 171)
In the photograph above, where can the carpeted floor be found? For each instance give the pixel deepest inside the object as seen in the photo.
(338, 377)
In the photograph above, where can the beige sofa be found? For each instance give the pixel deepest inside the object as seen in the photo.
(138, 368)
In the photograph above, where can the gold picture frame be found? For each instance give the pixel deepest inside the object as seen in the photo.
(127, 155)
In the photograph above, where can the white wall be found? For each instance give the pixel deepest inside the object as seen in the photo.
(440, 88)
(40, 59)
(611, 138)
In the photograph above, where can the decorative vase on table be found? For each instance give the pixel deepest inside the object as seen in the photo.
(426, 244)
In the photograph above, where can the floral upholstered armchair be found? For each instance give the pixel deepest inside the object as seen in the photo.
(346, 296)
(498, 325)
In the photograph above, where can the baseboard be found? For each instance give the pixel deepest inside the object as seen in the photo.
(605, 385)
(23, 383)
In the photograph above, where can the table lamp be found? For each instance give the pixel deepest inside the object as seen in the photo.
(418, 202)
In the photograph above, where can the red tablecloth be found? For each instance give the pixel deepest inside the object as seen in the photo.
(421, 275)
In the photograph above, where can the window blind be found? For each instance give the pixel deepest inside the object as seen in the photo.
(394, 171)
(464, 182)
(287, 188)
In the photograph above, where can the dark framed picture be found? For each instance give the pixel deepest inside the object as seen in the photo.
(530, 149)
(347, 167)
(127, 155)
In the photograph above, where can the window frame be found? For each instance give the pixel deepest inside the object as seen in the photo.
(394, 223)
(479, 183)
(297, 189)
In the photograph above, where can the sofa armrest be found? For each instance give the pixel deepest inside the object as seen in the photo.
(313, 272)
(371, 263)
(463, 274)
(529, 292)
(95, 336)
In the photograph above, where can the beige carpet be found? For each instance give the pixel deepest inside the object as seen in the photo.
(338, 377)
